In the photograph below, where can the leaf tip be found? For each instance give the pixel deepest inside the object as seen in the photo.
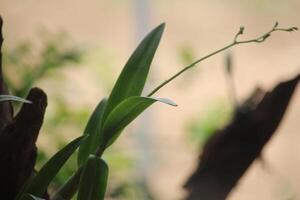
(161, 27)
(163, 24)
(27, 101)
(168, 101)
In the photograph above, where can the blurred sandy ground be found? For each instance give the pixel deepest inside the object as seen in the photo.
(205, 26)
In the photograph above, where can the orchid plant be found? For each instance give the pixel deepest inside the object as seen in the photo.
(111, 116)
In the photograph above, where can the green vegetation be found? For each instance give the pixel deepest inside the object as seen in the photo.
(110, 118)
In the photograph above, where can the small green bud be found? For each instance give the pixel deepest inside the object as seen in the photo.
(292, 29)
(241, 30)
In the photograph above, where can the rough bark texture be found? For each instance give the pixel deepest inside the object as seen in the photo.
(229, 152)
(17, 138)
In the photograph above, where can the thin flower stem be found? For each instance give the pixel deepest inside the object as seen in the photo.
(187, 68)
(234, 43)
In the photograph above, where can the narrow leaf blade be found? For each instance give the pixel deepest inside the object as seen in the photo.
(13, 98)
(93, 129)
(93, 180)
(32, 197)
(41, 181)
(133, 76)
(125, 113)
(69, 188)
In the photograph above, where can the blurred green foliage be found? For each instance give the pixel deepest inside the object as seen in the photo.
(30, 62)
(186, 55)
(124, 183)
(201, 128)
(27, 63)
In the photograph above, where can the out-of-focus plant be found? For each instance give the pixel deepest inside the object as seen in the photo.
(108, 120)
(217, 115)
(201, 128)
(124, 182)
(186, 55)
(28, 63)
(27, 66)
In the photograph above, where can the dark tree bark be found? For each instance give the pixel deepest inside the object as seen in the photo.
(6, 112)
(17, 137)
(229, 152)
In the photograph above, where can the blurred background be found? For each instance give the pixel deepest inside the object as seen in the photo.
(75, 49)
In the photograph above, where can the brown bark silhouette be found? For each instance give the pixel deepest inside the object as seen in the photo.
(229, 152)
(17, 137)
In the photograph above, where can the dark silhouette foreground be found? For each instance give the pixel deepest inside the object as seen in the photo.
(230, 151)
(18, 135)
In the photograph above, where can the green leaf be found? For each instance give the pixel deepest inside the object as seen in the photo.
(133, 76)
(93, 129)
(32, 197)
(12, 98)
(41, 181)
(125, 113)
(93, 180)
(69, 188)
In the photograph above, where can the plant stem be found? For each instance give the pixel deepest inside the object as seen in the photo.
(235, 42)
(187, 68)
(70, 188)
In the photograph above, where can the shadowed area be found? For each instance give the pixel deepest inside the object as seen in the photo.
(18, 136)
(229, 153)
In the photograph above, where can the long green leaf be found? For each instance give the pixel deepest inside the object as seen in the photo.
(93, 180)
(12, 98)
(125, 113)
(41, 181)
(93, 129)
(132, 79)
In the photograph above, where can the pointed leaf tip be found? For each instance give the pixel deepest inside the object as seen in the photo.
(167, 101)
(162, 25)
(133, 77)
(5, 97)
(124, 113)
(35, 197)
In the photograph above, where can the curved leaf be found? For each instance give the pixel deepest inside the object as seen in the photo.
(32, 197)
(93, 180)
(93, 129)
(5, 97)
(41, 181)
(125, 113)
(132, 79)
